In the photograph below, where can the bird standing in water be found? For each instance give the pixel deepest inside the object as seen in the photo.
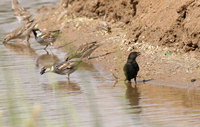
(63, 68)
(72, 61)
(22, 32)
(46, 38)
(131, 67)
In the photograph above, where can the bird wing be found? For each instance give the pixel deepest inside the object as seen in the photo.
(45, 35)
(49, 35)
(131, 70)
(54, 33)
(137, 67)
(86, 50)
(85, 47)
(65, 65)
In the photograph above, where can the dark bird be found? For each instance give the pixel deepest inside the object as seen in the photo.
(131, 67)
(46, 38)
(83, 51)
(22, 32)
(21, 13)
(63, 68)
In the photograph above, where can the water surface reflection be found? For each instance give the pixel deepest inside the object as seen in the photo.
(20, 48)
(65, 86)
(88, 99)
(133, 95)
(46, 59)
(164, 105)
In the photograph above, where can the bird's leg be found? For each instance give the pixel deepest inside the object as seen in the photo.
(51, 45)
(144, 81)
(27, 39)
(46, 51)
(68, 77)
(51, 49)
(45, 47)
(135, 80)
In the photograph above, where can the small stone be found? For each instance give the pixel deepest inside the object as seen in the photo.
(168, 53)
(130, 48)
(193, 80)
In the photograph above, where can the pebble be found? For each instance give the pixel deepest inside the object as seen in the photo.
(193, 80)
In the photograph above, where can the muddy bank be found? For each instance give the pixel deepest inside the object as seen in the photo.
(165, 32)
(170, 23)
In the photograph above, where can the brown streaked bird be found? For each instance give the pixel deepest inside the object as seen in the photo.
(22, 32)
(47, 38)
(21, 13)
(63, 68)
(84, 50)
(131, 67)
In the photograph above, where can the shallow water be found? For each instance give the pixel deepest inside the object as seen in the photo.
(89, 99)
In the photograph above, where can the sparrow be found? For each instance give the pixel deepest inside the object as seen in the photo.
(84, 50)
(62, 68)
(131, 67)
(46, 38)
(22, 32)
(21, 13)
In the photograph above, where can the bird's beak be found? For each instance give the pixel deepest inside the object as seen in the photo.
(43, 70)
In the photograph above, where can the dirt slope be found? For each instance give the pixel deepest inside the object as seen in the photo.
(165, 32)
(173, 23)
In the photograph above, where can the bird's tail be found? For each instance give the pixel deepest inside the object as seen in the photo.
(55, 33)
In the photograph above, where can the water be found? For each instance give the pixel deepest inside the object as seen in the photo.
(28, 98)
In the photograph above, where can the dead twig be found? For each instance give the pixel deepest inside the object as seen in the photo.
(94, 57)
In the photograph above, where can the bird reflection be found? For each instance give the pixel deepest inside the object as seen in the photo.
(21, 49)
(133, 95)
(65, 86)
(46, 59)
